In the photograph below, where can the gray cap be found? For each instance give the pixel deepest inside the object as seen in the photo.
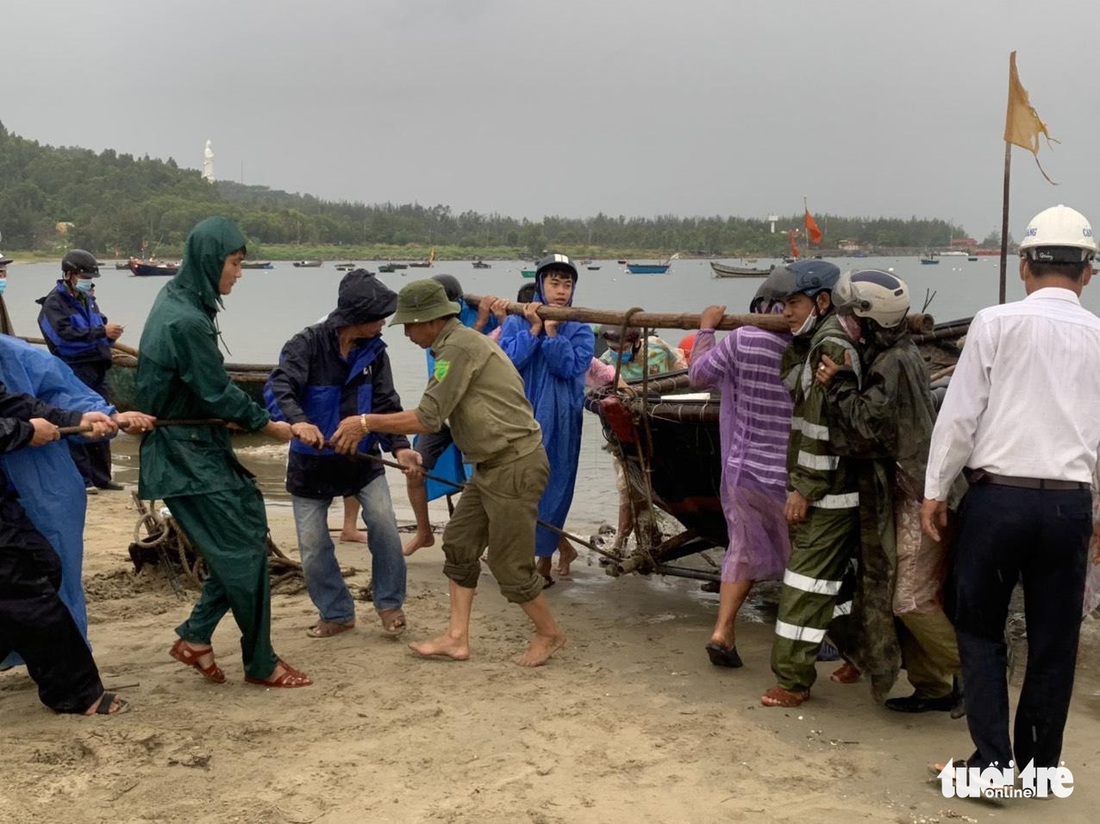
(422, 301)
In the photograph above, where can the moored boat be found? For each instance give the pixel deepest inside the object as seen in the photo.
(480, 264)
(929, 259)
(647, 268)
(307, 264)
(149, 269)
(722, 270)
(345, 267)
(257, 264)
(527, 273)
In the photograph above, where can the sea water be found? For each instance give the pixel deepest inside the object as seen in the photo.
(267, 307)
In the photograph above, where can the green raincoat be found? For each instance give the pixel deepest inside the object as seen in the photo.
(193, 468)
(181, 376)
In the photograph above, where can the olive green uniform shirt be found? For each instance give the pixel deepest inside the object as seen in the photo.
(477, 390)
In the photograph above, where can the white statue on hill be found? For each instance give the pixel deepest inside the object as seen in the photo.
(208, 163)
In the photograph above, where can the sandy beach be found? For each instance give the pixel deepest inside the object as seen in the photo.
(629, 722)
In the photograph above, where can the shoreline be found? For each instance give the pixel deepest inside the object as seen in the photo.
(629, 719)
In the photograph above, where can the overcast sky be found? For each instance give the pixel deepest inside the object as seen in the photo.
(574, 107)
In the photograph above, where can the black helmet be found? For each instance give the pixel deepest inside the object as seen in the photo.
(554, 261)
(80, 262)
(450, 285)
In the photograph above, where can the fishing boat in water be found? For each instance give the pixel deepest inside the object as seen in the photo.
(392, 267)
(722, 270)
(146, 269)
(345, 267)
(527, 273)
(257, 264)
(929, 259)
(647, 268)
(480, 264)
(307, 264)
(423, 264)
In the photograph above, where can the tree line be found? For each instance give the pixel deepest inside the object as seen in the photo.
(118, 205)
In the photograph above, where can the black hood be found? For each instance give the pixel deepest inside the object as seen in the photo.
(363, 299)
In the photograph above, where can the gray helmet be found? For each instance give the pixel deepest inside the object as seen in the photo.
(77, 261)
(450, 285)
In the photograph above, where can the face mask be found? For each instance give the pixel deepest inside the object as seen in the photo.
(626, 356)
(84, 286)
(3, 285)
(808, 324)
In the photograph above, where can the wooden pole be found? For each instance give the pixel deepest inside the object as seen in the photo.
(917, 323)
(648, 320)
(1004, 223)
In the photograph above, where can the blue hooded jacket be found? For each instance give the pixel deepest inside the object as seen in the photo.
(553, 370)
(74, 328)
(49, 485)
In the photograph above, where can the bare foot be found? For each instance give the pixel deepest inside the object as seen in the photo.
(539, 650)
(566, 556)
(420, 540)
(353, 536)
(443, 647)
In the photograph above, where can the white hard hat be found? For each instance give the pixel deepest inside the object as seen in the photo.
(1058, 235)
(874, 294)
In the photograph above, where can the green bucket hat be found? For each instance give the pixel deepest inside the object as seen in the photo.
(422, 301)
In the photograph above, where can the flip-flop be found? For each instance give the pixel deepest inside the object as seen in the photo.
(107, 700)
(393, 621)
(326, 629)
(547, 582)
(722, 656)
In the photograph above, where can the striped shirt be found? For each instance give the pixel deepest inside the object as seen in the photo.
(755, 419)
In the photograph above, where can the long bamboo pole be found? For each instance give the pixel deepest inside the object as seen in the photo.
(649, 320)
(917, 323)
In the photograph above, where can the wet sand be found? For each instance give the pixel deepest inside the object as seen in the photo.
(629, 722)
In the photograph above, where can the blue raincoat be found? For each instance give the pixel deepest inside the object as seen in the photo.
(49, 485)
(553, 370)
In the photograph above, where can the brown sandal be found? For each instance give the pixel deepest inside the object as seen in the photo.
(326, 629)
(290, 678)
(393, 621)
(183, 652)
(779, 697)
(847, 673)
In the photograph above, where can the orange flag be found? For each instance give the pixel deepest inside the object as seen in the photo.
(790, 238)
(813, 231)
(1022, 123)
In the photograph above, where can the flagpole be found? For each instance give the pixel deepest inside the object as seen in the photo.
(1004, 223)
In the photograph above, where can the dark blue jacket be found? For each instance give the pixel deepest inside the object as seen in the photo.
(74, 327)
(313, 383)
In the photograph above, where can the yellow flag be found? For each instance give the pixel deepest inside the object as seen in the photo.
(1022, 123)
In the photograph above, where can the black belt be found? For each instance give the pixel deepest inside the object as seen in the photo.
(980, 476)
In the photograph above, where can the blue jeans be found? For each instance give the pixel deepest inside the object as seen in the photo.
(322, 572)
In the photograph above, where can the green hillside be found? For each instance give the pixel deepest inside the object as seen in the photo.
(54, 198)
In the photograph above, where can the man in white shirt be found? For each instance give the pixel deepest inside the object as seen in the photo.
(1020, 417)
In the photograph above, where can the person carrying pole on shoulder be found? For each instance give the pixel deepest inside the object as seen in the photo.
(822, 505)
